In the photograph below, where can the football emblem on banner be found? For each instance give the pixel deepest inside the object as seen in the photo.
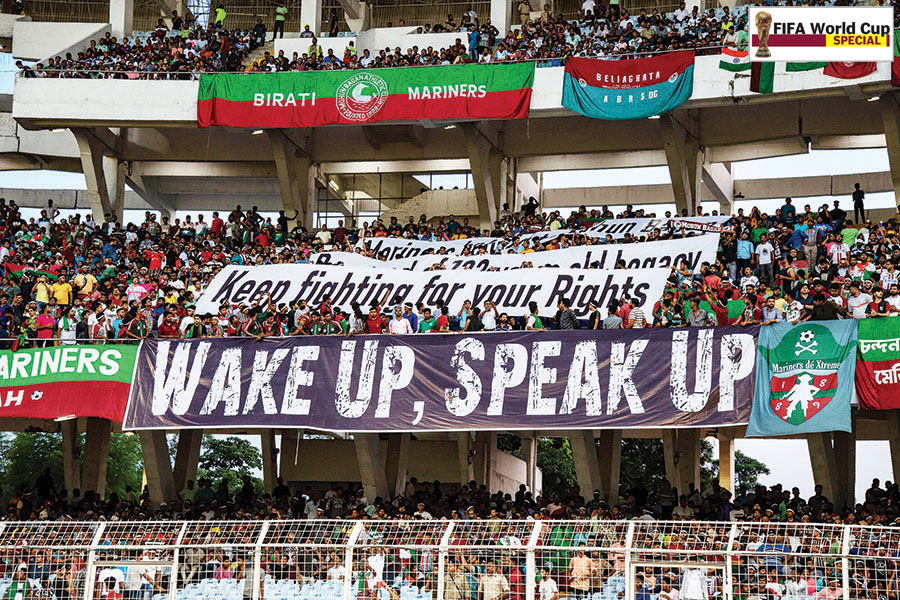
(802, 383)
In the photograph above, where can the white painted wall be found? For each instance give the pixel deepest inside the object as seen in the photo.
(38, 41)
(374, 40)
(7, 23)
(106, 100)
(326, 461)
(175, 102)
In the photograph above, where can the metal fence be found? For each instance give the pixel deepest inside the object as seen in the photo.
(490, 559)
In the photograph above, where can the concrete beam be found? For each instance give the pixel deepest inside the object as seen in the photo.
(670, 443)
(149, 192)
(157, 467)
(749, 151)
(187, 457)
(587, 465)
(164, 168)
(449, 165)
(96, 455)
(371, 466)
(890, 117)
(269, 453)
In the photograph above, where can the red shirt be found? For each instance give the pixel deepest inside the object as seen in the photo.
(216, 227)
(376, 325)
(443, 322)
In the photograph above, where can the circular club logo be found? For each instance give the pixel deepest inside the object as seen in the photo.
(361, 96)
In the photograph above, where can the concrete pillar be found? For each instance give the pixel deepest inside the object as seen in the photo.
(371, 466)
(824, 466)
(610, 457)
(71, 470)
(464, 453)
(187, 457)
(487, 473)
(669, 452)
(587, 466)
(683, 157)
(121, 18)
(269, 453)
(311, 14)
(501, 15)
(893, 421)
(529, 455)
(890, 117)
(96, 455)
(90, 151)
(114, 173)
(719, 181)
(157, 467)
(485, 173)
(845, 463)
(397, 463)
(726, 464)
(296, 178)
(688, 458)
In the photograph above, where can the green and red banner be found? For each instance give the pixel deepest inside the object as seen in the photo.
(66, 381)
(308, 99)
(804, 378)
(878, 363)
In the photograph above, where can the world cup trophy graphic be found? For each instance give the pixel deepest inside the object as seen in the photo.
(763, 25)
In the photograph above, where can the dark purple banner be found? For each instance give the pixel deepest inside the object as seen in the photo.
(448, 382)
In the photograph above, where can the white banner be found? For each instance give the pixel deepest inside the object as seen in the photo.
(822, 33)
(644, 255)
(511, 292)
(615, 229)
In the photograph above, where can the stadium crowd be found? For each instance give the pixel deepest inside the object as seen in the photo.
(184, 49)
(73, 279)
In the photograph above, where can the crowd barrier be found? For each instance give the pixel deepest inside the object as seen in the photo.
(451, 560)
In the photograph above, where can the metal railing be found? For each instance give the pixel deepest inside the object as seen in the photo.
(422, 559)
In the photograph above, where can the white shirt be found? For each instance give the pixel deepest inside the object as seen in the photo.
(489, 320)
(587, 5)
(838, 252)
(764, 253)
(399, 326)
(548, 589)
(857, 305)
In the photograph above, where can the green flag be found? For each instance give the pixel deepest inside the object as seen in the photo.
(793, 67)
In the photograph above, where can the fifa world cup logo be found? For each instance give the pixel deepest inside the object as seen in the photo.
(763, 25)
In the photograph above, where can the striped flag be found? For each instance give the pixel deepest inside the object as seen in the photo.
(762, 77)
(734, 60)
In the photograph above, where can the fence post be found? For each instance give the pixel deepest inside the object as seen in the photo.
(348, 559)
(729, 563)
(629, 575)
(176, 561)
(89, 567)
(531, 559)
(442, 559)
(845, 562)
(257, 561)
